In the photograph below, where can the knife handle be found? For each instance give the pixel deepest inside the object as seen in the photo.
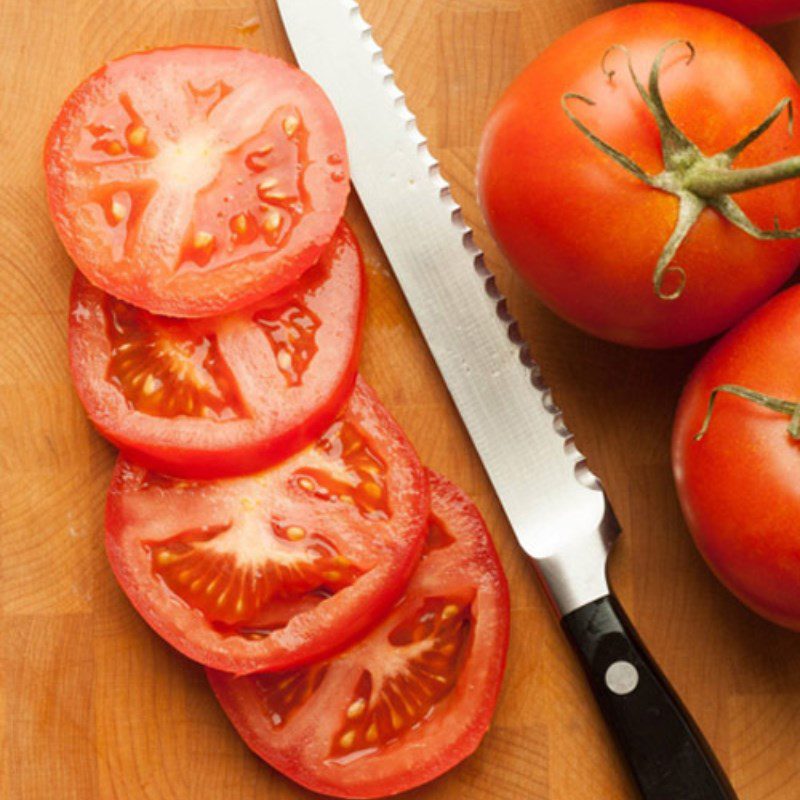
(667, 754)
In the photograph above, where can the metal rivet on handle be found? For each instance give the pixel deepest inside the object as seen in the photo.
(622, 677)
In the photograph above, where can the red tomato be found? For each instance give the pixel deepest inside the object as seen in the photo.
(196, 180)
(282, 567)
(739, 485)
(224, 395)
(411, 699)
(754, 12)
(588, 233)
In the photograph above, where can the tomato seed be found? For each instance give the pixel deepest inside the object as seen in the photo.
(291, 124)
(449, 611)
(203, 239)
(150, 385)
(117, 210)
(239, 224)
(356, 708)
(267, 184)
(137, 136)
(348, 739)
(272, 221)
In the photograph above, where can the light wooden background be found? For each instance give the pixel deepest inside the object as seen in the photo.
(94, 706)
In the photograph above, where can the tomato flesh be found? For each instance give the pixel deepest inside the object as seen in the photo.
(274, 569)
(225, 395)
(413, 697)
(434, 641)
(165, 369)
(195, 180)
(201, 567)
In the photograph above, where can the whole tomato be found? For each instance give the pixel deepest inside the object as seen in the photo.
(619, 175)
(754, 12)
(739, 484)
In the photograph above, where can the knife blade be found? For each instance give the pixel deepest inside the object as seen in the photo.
(554, 503)
(560, 522)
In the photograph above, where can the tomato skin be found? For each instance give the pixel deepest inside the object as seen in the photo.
(585, 233)
(145, 510)
(153, 274)
(763, 12)
(444, 738)
(738, 485)
(278, 419)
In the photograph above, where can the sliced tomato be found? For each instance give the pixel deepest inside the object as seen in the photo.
(411, 699)
(281, 567)
(225, 395)
(192, 181)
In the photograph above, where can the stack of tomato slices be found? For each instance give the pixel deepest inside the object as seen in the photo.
(267, 516)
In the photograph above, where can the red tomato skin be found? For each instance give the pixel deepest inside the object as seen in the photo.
(457, 739)
(235, 447)
(739, 486)
(193, 294)
(308, 637)
(754, 12)
(585, 233)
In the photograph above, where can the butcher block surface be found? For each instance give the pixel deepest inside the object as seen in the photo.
(93, 705)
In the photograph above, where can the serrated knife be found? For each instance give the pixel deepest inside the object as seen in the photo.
(554, 503)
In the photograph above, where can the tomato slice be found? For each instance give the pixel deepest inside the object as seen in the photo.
(411, 699)
(278, 568)
(225, 395)
(192, 181)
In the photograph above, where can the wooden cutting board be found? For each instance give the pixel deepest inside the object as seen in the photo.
(94, 706)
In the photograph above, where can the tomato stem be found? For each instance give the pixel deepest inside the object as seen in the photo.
(697, 180)
(618, 156)
(689, 210)
(707, 180)
(773, 403)
(736, 150)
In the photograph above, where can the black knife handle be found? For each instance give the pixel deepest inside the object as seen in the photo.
(667, 754)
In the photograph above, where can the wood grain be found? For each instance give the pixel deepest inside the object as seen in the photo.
(93, 705)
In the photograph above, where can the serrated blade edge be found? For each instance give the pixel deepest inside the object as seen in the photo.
(553, 501)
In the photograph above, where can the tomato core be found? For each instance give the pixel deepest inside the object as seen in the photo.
(233, 574)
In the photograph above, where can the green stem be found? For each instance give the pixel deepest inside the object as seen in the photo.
(773, 403)
(732, 153)
(731, 211)
(689, 210)
(612, 152)
(709, 181)
(674, 143)
(699, 181)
